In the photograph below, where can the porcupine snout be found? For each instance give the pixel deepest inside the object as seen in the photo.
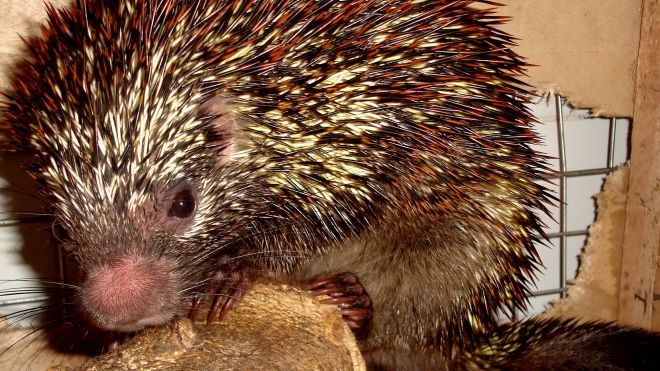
(130, 293)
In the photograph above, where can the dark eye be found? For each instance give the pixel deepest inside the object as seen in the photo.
(183, 205)
(59, 232)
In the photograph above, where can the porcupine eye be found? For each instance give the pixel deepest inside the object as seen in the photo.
(59, 232)
(183, 205)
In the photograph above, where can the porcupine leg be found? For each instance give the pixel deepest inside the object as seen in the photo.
(346, 291)
(423, 281)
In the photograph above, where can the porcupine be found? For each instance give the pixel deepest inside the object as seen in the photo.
(186, 144)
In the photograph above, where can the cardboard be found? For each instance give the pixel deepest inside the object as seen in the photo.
(584, 50)
(594, 294)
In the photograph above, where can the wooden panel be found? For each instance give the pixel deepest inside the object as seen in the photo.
(642, 230)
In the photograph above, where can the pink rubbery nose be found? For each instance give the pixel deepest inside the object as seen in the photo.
(130, 293)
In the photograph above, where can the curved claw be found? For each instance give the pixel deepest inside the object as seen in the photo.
(226, 290)
(345, 291)
(233, 287)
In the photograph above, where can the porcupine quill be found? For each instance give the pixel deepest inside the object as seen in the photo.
(186, 144)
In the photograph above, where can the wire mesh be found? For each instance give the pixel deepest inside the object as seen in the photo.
(562, 178)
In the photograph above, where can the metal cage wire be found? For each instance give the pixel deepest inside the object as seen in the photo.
(559, 238)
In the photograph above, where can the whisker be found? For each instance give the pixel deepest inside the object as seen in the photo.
(31, 195)
(253, 255)
(54, 283)
(35, 330)
(29, 213)
(19, 315)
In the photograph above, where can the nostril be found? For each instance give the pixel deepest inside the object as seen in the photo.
(129, 294)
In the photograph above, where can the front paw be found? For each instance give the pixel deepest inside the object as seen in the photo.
(224, 291)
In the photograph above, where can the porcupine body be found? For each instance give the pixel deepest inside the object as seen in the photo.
(187, 142)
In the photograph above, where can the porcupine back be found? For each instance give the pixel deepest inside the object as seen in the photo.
(302, 125)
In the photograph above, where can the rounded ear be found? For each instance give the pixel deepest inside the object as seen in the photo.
(221, 127)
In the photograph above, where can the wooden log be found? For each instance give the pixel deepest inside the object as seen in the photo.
(274, 327)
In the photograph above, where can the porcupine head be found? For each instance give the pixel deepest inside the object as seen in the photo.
(180, 141)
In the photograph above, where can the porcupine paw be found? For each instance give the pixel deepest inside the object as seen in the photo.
(345, 291)
(224, 291)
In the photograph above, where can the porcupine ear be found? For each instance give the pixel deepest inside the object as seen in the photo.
(221, 127)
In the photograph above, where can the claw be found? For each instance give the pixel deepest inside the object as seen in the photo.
(341, 301)
(194, 309)
(345, 291)
(226, 288)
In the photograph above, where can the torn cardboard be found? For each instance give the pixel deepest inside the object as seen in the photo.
(583, 50)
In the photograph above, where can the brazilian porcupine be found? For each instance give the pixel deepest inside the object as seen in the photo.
(186, 144)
